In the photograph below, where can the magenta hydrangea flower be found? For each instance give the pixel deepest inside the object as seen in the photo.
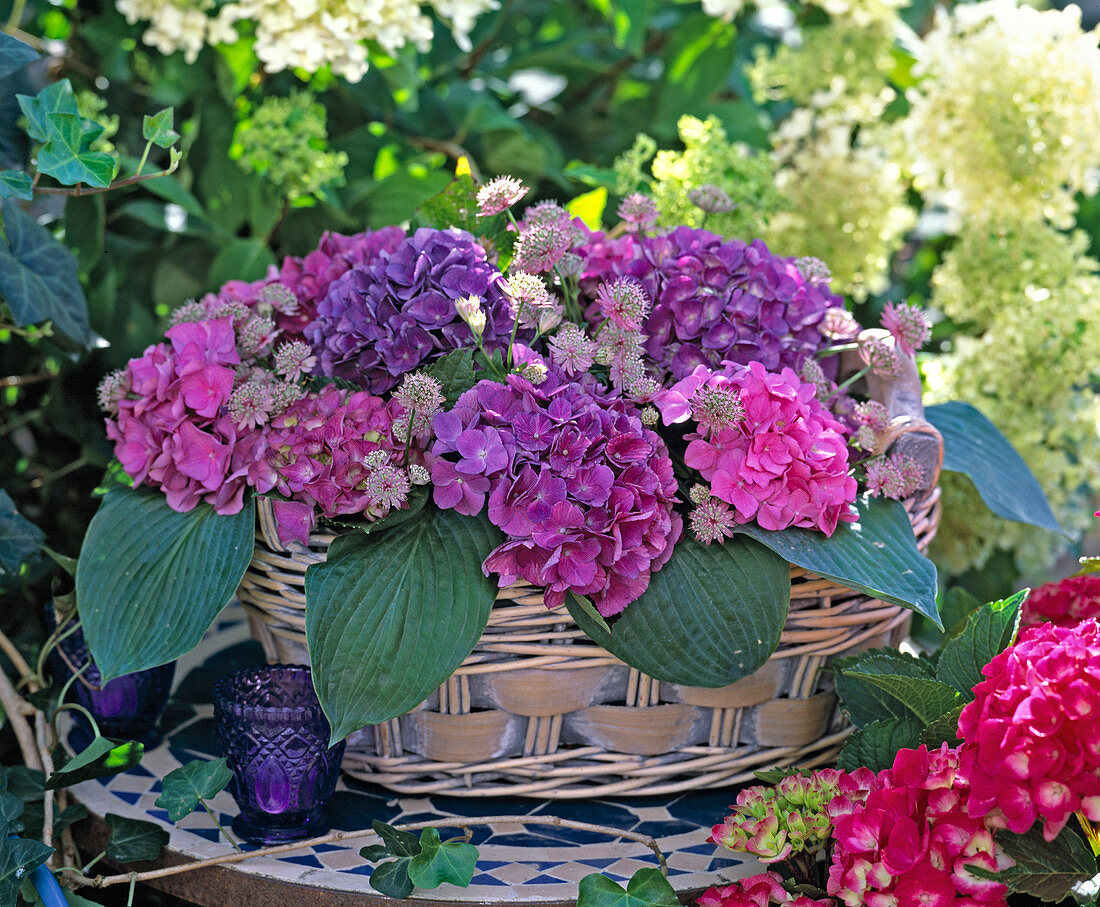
(172, 429)
(1065, 603)
(714, 300)
(582, 490)
(912, 841)
(385, 319)
(783, 463)
(1032, 739)
(761, 890)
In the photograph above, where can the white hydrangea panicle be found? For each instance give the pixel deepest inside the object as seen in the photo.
(462, 15)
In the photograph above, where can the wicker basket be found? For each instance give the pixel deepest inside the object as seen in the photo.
(538, 709)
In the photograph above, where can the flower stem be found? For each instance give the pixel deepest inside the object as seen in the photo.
(863, 371)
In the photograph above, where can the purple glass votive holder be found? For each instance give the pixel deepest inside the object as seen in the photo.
(275, 738)
(126, 708)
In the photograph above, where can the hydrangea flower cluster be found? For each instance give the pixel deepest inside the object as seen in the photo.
(170, 422)
(761, 890)
(912, 840)
(715, 300)
(785, 463)
(582, 490)
(1032, 742)
(382, 320)
(1065, 603)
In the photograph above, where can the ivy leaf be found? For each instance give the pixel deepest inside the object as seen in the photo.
(646, 888)
(392, 879)
(986, 634)
(57, 97)
(1044, 869)
(64, 157)
(71, 814)
(158, 129)
(133, 840)
(875, 745)
(398, 843)
(19, 538)
(11, 808)
(16, 184)
(438, 862)
(98, 759)
(372, 853)
(14, 55)
(190, 784)
(18, 858)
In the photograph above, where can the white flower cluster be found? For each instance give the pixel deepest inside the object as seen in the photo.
(303, 34)
(1005, 116)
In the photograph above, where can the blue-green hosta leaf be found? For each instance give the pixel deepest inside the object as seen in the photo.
(988, 631)
(14, 55)
(646, 888)
(56, 97)
(975, 447)
(709, 617)
(63, 156)
(38, 277)
(16, 184)
(133, 840)
(158, 129)
(875, 745)
(440, 862)
(187, 786)
(150, 581)
(877, 555)
(19, 538)
(389, 617)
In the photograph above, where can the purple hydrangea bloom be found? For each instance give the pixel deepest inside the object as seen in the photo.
(583, 491)
(714, 300)
(387, 318)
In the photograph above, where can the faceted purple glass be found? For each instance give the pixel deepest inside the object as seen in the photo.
(275, 739)
(126, 708)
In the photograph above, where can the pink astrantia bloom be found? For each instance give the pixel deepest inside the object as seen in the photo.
(1032, 735)
(582, 490)
(908, 325)
(784, 463)
(498, 195)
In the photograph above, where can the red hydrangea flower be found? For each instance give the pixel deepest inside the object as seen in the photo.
(785, 463)
(1032, 734)
(757, 891)
(582, 490)
(912, 840)
(1065, 603)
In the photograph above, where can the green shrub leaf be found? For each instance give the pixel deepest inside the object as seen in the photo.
(865, 702)
(391, 616)
(392, 879)
(19, 539)
(452, 862)
(875, 745)
(988, 631)
(187, 786)
(133, 840)
(944, 729)
(100, 758)
(398, 843)
(927, 699)
(709, 617)
(150, 581)
(18, 857)
(878, 555)
(1044, 869)
(57, 97)
(975, 447)
(646, 888)
(455, 374)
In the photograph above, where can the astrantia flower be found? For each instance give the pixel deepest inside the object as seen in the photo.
(112, 389)
(896, 477)
(1032, 738)
(638, 210)
(294, 360)
(711, 521)
(784, 464)
(498, 195)
(624, 302)
(1065, 603)
(912, 840)
(571, 350)
(582, 490)
(714, 300)
(421, 397)
(908, 325)
(542, 245)
(716, 408)
(529, 295)
(388, 318)
(711, 199)
(879, 355)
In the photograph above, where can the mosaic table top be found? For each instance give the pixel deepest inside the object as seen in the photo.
(520, 864)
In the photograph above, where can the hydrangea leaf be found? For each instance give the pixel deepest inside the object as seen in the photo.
(133, 840)
(875, 745)
(38, 277)
(944, 729)
(56, 97)
(439, 862)
(646, 888)
(144, 568)
(18, 858)
(455, 374)
(391, 616)
(1044, 869)
(187, 786)
(925, 698)
(16, 184)
(865, 702)
(158, 129)
(14, 55)
(988, 631)
(100, 758)
(877, 555)
(19, 538)
(64, 157)
(975, 447)
(709, 617)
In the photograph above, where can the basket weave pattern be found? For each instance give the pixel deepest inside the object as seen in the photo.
(538, 709)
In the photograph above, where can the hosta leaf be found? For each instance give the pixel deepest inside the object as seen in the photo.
(452, 862)
(709, 617)
(187, 786)
(646, 888)
(150, 581)
(14, 55)
(133, 840)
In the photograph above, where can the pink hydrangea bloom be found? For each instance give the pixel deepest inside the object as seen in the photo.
(785, 463)
(1065, 603)
(582, 490)
(171, 429)
(1032, 738)
(912, 840)
(757, 891)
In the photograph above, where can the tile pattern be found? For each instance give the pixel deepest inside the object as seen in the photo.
(518, 863)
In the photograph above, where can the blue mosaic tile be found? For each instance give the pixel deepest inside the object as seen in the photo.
(665, 829)
(161, 814)
(127, 797)
(598, 862)
(597, 812)
(310, 861)
(482, 878)
(705, 808)
(348, 810)
(211, 834)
